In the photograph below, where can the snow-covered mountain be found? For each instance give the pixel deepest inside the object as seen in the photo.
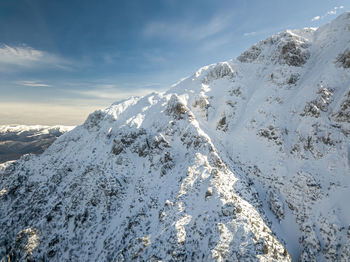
(245, 160)
(17, 140)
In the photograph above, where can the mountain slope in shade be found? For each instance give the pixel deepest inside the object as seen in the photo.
(18, 140)
(246, 160)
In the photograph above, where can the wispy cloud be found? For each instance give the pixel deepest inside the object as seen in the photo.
(216, 42)
(250, 34)
(155, 59)
(15, 57)
(265, 31)
(330, 12)
(36, 83)
(113, 92)
(188, 30)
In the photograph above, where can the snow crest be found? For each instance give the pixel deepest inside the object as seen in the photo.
(246, 160)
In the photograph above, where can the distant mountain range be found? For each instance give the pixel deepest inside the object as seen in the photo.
(245, 160)
(18, 140)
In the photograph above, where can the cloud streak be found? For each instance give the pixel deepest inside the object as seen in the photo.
(250, 34)
(37, 83)
(112, 92)
(25, 57)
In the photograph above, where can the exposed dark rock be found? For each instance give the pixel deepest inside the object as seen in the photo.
(343, 59)
(294, 54)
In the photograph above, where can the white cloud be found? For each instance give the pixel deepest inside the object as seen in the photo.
(37, 83)
(14, 57)
(339, 7)
(331, 12)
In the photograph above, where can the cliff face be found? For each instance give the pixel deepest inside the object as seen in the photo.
(245, 160)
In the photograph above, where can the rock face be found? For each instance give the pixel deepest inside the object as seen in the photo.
(19, 140)
(246, 160)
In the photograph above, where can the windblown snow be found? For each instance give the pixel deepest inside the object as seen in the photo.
(246, 160)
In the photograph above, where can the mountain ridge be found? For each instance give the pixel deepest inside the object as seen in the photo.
(246, 159)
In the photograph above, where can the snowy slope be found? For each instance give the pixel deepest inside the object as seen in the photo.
(246, 160)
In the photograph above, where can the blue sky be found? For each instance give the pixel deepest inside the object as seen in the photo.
(61, 59)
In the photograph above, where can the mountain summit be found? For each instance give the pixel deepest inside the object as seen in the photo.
(246, 160)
